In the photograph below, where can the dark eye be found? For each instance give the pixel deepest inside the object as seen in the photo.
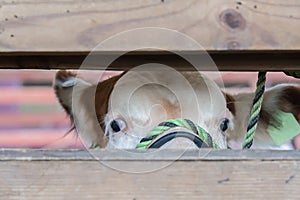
(224, 124)
(117, 125)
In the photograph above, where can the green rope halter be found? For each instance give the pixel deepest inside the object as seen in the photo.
(171, 123)
(256, 107)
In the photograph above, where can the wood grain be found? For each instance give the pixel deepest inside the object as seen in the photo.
(37, 34)
(183, 179)
(147, 155)
(79, 25)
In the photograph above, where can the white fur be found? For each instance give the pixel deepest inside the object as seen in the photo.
(140, 98)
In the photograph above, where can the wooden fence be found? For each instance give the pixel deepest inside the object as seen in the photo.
(239, 35)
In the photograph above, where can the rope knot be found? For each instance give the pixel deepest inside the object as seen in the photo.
(160, 135)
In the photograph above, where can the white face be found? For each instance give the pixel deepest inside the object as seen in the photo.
(142, 100)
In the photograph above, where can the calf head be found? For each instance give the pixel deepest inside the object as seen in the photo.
(120, 111)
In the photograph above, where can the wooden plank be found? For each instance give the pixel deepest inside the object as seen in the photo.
(248, 60)
(79, 25)
(182, 179)
(59, 34)
(147, 155)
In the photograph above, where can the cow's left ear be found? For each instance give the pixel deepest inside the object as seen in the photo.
(286, 98)
(283, 97)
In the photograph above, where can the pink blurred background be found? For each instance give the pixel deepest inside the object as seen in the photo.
(30, 116)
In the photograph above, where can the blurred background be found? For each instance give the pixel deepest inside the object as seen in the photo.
(30, 116)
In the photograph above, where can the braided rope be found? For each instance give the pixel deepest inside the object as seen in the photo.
(95, 146)
(255, 110)
(171, 123)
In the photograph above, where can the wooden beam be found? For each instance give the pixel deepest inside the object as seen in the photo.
(80, 25)
(36, 34)
(76, 174)
(234, 60)
(146, 155)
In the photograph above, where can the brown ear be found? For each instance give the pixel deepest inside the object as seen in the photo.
(283, 97)
(103, 92)
(63, 91)
(230, 103)
(289, 100)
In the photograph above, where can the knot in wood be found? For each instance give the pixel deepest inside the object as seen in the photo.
(233, 19)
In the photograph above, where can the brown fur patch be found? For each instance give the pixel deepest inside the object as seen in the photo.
(171, 110)
(103, 92)
(62, 76)
(289, 101)
(266, 117)
(230, 103)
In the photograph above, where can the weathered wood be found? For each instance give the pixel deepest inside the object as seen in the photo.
(78, 178)
(59, 34)
(248, 60)
(79, 25)
(146, 155)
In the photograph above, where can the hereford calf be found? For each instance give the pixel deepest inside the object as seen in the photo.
(120, 111)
